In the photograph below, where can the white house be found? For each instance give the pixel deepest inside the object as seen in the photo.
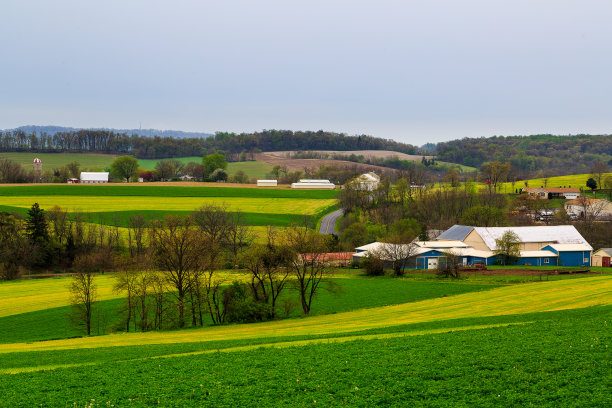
(267, 183)
(553, 192)
(94, 177)
(367, 182)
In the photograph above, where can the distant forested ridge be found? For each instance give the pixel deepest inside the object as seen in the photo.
(51, 130)
(545, 153)
(143, 147)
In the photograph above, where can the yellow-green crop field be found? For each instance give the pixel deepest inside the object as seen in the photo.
(99, 204)
(509, 300)
(574, 181)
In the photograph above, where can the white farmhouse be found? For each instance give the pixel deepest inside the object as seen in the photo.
(368, 181)
(94, 177)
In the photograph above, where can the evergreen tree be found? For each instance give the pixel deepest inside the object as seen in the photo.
(36, 224)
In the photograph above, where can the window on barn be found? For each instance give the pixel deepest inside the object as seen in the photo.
(545, 260)
(586, 260)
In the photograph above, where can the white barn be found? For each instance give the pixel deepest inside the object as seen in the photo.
(309, 184)
(94, 177)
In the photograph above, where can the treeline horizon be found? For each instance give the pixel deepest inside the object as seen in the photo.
(143, 147)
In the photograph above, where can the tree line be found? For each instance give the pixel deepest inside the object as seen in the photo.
(106, 141)
(537, 155)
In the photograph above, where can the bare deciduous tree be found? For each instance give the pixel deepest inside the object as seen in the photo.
(308, 262)
(176, 248)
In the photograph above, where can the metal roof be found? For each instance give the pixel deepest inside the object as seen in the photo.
(456, 233)
(441, 244)
(570, 247)
(605, 250)
(559, 234)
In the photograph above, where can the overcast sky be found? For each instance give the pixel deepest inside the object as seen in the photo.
(414, 71)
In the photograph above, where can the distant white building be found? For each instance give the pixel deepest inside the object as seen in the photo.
(309, 184)
(589, 207)
(94, 177)
(368, 181)
(267, 183)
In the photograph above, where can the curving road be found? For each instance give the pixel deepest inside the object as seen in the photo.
(328, 223)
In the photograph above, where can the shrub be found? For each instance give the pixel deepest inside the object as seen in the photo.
(373, 265)
(240, 307)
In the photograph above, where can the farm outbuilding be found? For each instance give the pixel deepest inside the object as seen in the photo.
(267, 183)
(308, 184)
(571, 254)
(73, 181)
(603, 257)
(94, 177)
(548, 193)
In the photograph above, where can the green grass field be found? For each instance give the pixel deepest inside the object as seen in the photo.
(574, 181)
(385, 342)
(54, 160)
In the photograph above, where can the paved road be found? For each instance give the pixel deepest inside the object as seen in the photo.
(328, 223)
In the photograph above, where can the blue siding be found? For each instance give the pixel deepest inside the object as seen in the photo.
(571, 258)
(537, 261)
(575, 258)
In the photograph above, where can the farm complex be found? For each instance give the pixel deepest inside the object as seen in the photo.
(185, 293)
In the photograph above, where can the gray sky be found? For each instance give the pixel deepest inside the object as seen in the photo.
(414, 71)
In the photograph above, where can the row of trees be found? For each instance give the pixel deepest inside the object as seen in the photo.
(160, 147)
(172, 278)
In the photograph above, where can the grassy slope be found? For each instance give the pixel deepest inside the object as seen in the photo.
(353, 293)
(575, 181)
(519, 299)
